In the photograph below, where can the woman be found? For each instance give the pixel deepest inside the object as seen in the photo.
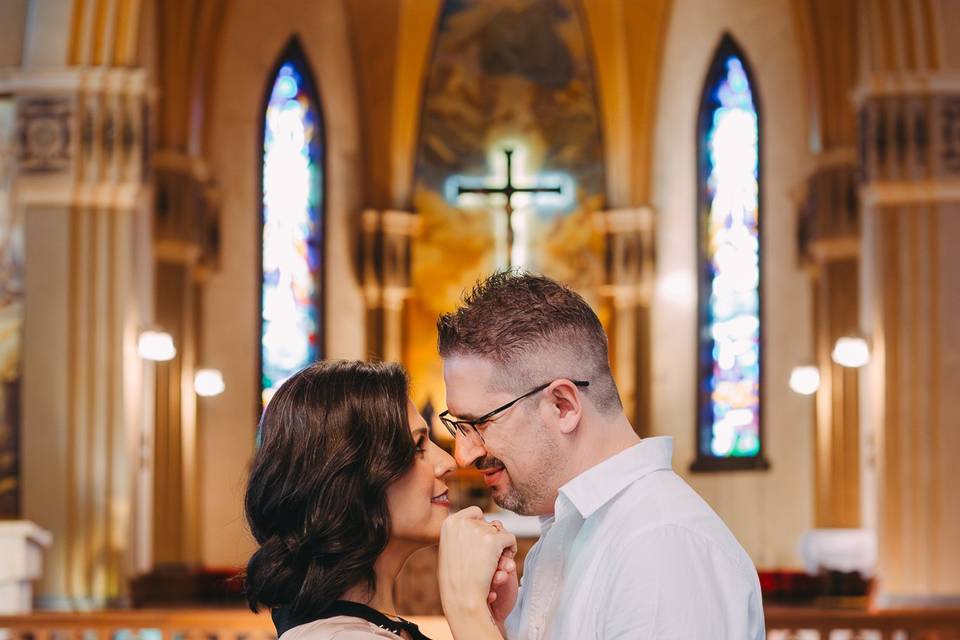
(345, 486)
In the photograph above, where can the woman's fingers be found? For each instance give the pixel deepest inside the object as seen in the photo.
(469, 513)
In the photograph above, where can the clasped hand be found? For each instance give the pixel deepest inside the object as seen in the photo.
(477, 572)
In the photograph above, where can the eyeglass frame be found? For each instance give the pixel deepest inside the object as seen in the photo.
(453, 426)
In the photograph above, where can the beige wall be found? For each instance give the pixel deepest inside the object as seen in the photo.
(13, 17)
(254, 34)
(947, 16)
(767, 511)
(44, 42)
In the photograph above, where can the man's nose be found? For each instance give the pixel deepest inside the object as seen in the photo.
(466, 450)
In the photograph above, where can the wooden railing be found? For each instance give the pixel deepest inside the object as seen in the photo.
(794, 623)
(783, 623)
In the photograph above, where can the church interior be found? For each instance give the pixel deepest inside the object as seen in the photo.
(759, 198)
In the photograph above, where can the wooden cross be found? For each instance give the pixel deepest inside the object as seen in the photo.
(508, 190)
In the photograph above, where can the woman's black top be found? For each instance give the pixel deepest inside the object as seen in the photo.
(284, 621)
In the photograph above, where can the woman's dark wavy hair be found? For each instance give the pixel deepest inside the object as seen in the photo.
(332, 439)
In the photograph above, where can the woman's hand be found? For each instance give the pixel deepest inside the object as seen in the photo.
(471, 551)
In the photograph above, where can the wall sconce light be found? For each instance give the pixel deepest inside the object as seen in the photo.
(208, 382)
(156, 346)
(805, 379)
(851, 351)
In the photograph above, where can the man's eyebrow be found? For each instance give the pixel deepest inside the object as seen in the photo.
(469, 417)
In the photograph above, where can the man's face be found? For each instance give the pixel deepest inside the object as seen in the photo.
(517, 450)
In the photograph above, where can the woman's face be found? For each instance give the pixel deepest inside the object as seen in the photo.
(418, 500)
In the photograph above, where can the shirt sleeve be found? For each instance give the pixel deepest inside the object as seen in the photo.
(670, 583)
(513, 625)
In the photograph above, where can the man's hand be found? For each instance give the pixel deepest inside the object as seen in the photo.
(505, 585)
(471, 553)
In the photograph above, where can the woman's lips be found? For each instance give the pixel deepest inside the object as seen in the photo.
(442, 500)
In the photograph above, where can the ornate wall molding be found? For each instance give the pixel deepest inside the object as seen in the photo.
(45, 134)
(629, 254)
(828, 219)
(386, 257)
(78, 129)
(910, 132)
(385, 267)
(187, 209)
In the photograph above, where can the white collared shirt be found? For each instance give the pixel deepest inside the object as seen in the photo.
(643, 557)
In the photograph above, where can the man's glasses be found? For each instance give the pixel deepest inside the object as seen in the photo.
(469, 427)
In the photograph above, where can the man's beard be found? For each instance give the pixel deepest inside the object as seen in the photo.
(512, 499)
(517, 497)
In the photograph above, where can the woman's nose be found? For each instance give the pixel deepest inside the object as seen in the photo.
(445, 464)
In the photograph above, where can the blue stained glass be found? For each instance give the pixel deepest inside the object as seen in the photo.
(730, 306)
(292, 230)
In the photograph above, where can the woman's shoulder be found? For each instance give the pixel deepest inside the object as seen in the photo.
(337, 628)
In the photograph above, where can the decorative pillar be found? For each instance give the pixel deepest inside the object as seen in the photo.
(80, 189)
(628, 283)
(829, 247)
(386, 262)
(186, 244)
(910, 156)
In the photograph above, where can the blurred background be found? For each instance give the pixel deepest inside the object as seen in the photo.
(761, 199)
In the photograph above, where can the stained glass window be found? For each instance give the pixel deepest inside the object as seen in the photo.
(729, 431)
(292, 227)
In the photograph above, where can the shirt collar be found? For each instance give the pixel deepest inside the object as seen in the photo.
(599, 484)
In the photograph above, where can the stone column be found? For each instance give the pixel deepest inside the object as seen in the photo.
(186, 244)
(87, 396)
(386, 262)
(910, 157)
(629, 264)
(829, 246)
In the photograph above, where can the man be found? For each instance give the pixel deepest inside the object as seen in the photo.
(627, 548)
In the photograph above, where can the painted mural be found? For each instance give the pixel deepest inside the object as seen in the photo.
(507, 77)
(11, 319)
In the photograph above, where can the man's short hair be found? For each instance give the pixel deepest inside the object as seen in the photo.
(533, 329)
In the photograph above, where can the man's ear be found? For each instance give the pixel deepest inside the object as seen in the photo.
(565, 404)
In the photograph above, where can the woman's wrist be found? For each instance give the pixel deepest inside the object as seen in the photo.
(472, 623)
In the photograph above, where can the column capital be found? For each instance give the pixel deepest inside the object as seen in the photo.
(625, 220)
(911, 84)
(629, 236)
(828, 213)
(385, 263)
(80, 127)
(75, 79)
(909, 130)
(386, 255)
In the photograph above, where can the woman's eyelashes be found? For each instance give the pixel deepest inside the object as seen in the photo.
(422, 444)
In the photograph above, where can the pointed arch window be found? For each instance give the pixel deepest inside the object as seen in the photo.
(729, 428)
(291, 223)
